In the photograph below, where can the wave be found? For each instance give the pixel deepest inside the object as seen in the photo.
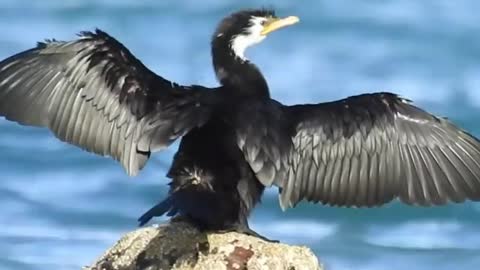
(298, 230)
(425, 235)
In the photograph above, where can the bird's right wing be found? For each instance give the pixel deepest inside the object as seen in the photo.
(366, 150)
(93, 93)
(360, 151)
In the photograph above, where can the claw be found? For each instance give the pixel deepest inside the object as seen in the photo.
(247, 231)
(255, 234)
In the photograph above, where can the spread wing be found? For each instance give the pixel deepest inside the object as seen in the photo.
(367, 150)
(93, 93)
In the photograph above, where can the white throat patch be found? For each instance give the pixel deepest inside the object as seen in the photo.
(252, 36)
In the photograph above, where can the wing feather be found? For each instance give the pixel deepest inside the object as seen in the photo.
(364, 151)
(93, 93)
(362, 196)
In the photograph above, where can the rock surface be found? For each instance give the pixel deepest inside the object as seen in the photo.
(178, 245)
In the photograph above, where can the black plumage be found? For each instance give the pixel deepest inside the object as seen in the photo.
(364, 150)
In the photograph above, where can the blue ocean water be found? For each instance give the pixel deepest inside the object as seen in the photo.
(62, 207)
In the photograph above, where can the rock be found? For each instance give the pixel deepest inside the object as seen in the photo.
(177, 245)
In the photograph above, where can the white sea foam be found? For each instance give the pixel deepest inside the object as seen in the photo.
(426, 235)
(380, 262)
(300, 230)
(58, 243)
(43, 230)
(59, 183)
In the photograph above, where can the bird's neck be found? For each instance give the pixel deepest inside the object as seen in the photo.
(236, 73)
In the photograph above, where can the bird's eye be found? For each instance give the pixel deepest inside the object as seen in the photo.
(263, 22)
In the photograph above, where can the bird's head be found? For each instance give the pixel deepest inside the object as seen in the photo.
(245, 28)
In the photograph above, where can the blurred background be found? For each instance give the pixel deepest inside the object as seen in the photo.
(62, 207)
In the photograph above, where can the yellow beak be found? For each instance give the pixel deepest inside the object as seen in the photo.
(277, 23)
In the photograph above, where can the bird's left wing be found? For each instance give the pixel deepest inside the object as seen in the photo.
(365, 151)
(93, 93)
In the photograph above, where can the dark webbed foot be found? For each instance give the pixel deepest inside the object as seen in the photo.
(247, 231)
(251, 232)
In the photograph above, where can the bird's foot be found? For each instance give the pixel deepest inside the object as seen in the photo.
(251, 232)
(247, 231)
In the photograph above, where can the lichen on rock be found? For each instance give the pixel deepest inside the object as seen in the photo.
(180, 246)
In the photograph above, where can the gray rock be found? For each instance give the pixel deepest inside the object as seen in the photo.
(178, 245)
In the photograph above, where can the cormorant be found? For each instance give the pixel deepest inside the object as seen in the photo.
(361, 151)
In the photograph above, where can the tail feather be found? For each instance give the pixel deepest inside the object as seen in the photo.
(158, 210)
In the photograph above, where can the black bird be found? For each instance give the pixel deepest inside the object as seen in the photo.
(361, 151)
